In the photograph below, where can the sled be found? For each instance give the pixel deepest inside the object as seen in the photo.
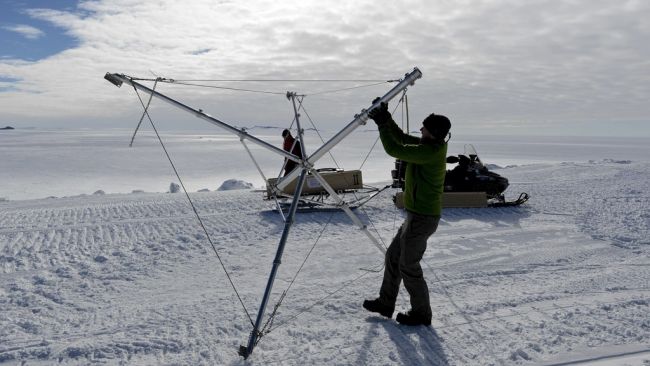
(464, 199)
(339, 180)
(314, 197)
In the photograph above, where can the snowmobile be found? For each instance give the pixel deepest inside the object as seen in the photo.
(471, 175)
(469, 184)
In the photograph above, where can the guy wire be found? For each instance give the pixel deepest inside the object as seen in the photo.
(196, 213)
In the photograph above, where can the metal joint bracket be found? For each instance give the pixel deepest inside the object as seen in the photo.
(309, 166)
(113, 79)
(362, 117)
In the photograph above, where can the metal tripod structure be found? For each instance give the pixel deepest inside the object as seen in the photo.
(304, 167)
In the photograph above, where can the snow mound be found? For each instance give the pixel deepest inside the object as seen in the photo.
(232, 184)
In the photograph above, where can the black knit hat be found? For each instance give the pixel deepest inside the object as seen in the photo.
(285, 132)
(437, 124)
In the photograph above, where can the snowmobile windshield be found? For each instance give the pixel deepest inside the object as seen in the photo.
(471, 153)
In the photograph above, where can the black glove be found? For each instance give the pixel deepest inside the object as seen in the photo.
(380, 115)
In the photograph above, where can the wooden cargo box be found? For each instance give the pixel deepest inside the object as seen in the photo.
(453, 199)
(339, 180)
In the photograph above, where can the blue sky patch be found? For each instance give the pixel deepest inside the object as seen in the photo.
(7, 84)
(6, 79)
(51, 41)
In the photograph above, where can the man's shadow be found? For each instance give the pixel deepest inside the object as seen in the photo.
(417, 345)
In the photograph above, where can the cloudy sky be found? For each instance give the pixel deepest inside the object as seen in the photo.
(573, 67)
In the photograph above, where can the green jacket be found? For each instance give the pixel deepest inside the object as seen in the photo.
(425, 169)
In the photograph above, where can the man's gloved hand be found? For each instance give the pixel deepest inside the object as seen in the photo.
(380, 115)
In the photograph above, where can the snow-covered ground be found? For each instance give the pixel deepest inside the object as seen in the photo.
(132, 279)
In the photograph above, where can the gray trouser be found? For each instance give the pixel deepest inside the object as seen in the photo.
(403, 262)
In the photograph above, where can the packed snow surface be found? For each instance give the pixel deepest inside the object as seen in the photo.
(133, 279)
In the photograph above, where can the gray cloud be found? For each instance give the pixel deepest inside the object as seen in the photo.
(490, 64)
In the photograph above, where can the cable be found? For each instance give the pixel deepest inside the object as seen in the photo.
(289, 80)
(304, 310)
(192, 83)
(318, 133)
(143, 114)
(198, 217)
(344, 89)
(229, 88)
(269, 321)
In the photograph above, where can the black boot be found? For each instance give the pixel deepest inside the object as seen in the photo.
(377, 306)
(412, 318)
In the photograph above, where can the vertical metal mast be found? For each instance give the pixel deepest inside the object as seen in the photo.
(292, 96)
(304, 169)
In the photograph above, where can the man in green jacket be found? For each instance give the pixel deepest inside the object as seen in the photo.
(425, 175)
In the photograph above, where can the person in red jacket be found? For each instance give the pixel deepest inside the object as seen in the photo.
(293, 146)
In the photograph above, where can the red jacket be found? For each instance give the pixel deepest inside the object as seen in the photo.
(288, 142)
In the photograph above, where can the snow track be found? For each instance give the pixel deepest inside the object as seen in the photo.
(131, 279)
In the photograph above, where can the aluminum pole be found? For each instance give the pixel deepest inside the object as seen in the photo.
(120, 78)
